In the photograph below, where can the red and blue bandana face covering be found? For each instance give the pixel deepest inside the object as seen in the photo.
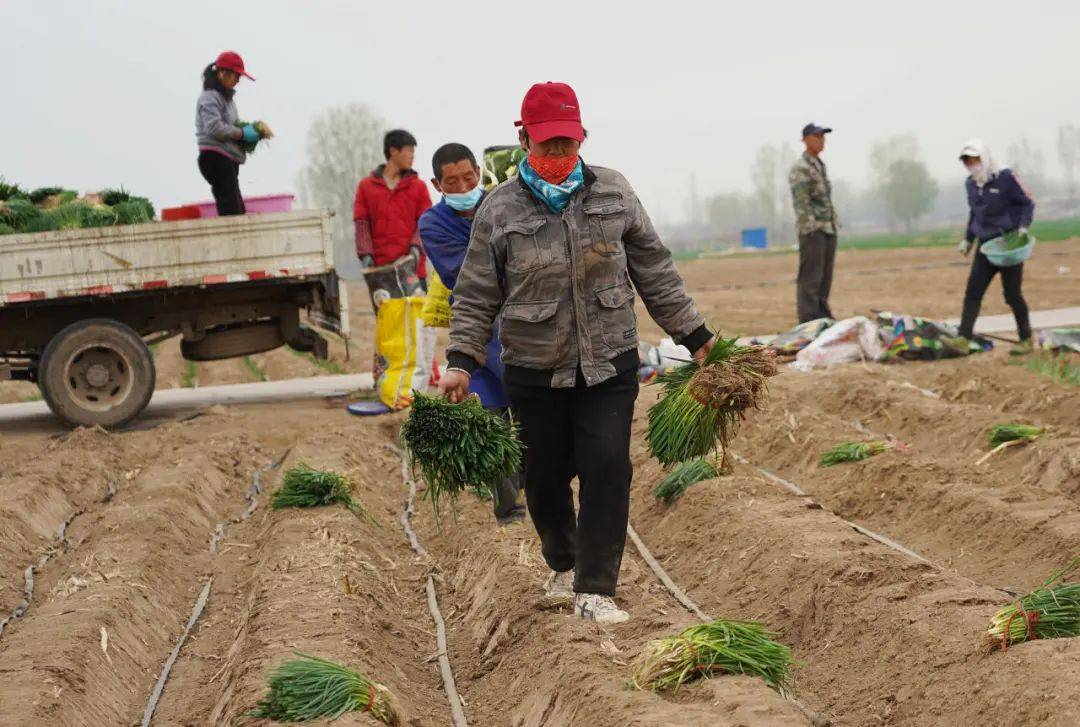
(553, 169)
(556, 195)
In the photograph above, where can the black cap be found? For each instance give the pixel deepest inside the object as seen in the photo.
(811, 129)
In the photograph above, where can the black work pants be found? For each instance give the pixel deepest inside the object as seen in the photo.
(982, 272)
(223, 174)
(584, 432)
(817, 255)
(507, 492)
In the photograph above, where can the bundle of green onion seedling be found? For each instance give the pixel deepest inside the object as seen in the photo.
(1012, 432)
(305, 486)
(701, 406)
(851, 452)
(717, 647)
(264, 133)
(308, 688)
(1049, 612)
(459, 446)
(682, 476)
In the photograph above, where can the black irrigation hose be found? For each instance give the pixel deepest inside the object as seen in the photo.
(159, 687)
(252, 497)
(28, 575)
(877, 537)
(457, 712)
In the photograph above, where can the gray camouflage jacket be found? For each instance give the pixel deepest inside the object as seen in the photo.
(812, 196)
(564, 284)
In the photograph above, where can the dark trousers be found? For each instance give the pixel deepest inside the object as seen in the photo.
(223, 174)
(583, 431)
(506, 494)
(817, 254)
(982, 272)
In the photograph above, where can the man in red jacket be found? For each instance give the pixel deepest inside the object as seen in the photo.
(388, 206)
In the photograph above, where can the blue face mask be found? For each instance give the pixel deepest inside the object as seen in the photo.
(465, 201)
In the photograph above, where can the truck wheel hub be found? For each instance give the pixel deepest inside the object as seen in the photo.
(97, 376)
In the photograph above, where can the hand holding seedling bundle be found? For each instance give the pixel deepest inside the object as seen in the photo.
(254, 132)
(703, 403)
(459, 445)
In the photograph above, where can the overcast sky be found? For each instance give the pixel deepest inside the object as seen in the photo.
(103, 93)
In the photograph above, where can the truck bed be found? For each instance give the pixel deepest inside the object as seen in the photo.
(156, 255)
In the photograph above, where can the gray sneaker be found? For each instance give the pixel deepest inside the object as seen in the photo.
(559, 587)
(599, 608)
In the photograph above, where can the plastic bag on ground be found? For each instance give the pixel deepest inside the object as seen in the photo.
(922, 339)
(672, 355)
(1060, 339)
(852, 339)
(791, 342)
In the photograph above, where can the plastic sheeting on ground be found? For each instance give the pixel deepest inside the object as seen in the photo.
(1060, 339)
(852, 339)
(791, 342)
(922, 339)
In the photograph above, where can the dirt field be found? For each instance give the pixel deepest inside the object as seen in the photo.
(880, 638)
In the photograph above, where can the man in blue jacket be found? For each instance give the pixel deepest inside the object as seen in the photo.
(444, 232)
(999, 206)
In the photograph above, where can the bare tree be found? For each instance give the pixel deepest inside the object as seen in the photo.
(1069, 153)
(772, 195)
(344, 144)
(1029, 163)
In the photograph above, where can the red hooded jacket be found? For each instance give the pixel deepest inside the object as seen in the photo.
(392, 215)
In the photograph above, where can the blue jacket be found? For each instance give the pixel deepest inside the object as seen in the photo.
(445, 235)
(1002, 205)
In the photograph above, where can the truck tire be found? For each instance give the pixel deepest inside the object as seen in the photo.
(97, 372)
(231, 341)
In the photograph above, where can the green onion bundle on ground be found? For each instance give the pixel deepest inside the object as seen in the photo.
(708, 649)
(701, 407)
(851, 452)
(1049, 612)
(1004, 436)
(682, 476)
(304, 486)
(308, 688)
(1011, 432)
(459, 446)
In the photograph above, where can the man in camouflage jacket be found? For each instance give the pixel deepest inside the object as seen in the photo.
(817, 227)
(556, 254)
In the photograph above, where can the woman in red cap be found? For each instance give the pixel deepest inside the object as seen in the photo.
(556, 255)
(220, 153)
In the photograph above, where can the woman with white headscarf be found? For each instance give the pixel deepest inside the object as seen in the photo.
(1000, 206)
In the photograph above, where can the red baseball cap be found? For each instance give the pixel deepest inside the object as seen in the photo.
(550, 110)
(231, 61)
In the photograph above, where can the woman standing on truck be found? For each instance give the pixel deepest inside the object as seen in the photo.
(218, 136)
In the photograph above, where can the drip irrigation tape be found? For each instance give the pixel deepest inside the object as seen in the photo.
(457, 712)
(159, 687)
